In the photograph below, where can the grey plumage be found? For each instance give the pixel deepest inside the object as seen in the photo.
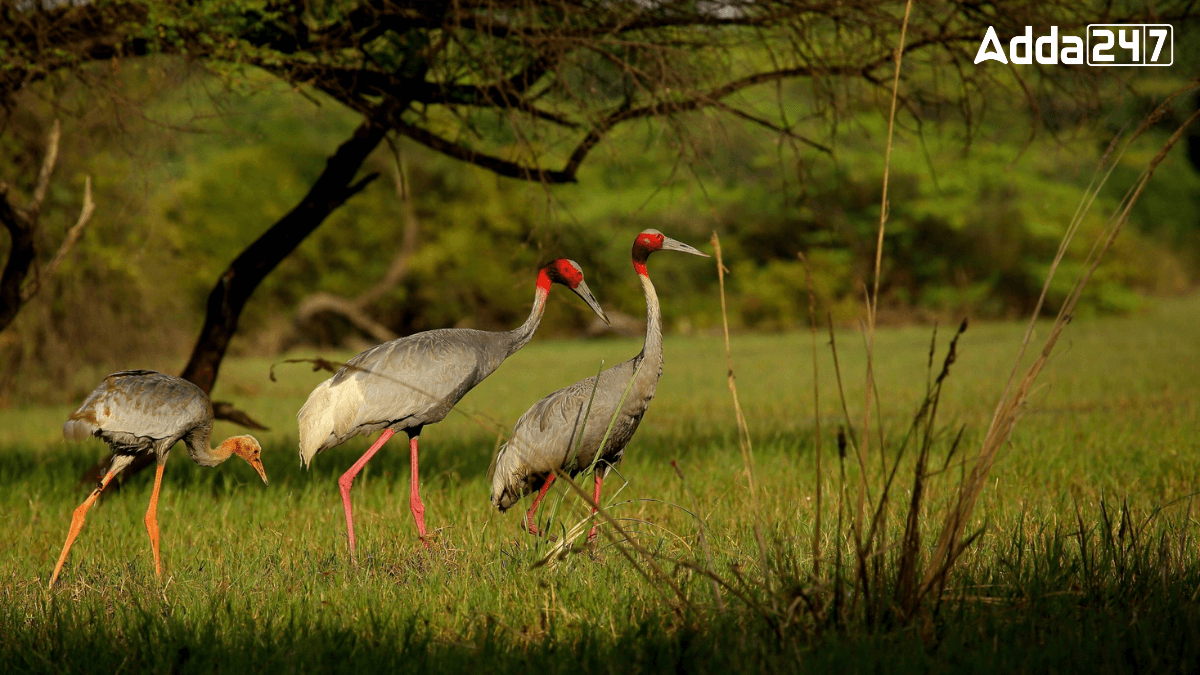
(412, 381)
(407, 383)
(547, 436)
(139, 412)
(554, 433)
(403, 384)
(142, 411)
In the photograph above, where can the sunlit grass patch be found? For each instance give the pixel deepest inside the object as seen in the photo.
(259, 576)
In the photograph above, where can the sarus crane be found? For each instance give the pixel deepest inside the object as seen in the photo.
(407, 383)
(561, 432)
(143, 411)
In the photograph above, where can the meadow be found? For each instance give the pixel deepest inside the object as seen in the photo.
(1086, 557)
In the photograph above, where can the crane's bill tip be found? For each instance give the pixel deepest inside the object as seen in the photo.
(261, 472)
(585, 293)
(670, 244)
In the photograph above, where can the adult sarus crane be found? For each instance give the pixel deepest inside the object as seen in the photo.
(555, 429)
(143, 411)
(407, 383)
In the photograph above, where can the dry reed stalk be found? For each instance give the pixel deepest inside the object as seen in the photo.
(863, 547)
(743, 430)
(873, 301)
(949, 543)
(848, 428)
(812, 319)
(910, 546)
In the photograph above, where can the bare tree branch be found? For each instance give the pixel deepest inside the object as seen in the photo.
(357, 310)
(492, 163)
(22, 225)
(73, 235)
(43, 181)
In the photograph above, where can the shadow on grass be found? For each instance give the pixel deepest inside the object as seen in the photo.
(1046, 634)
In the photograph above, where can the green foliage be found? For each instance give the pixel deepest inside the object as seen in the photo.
(971, 231)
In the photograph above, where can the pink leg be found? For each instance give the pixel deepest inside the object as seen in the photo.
(530, 523)
(347, 481)
(595, 498)
(414, 497)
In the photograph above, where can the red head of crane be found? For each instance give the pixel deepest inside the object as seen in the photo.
(561, 432)
(141, 411)
(407, 383)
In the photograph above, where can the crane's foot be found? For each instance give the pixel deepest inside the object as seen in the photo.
(534, 530)
(418, 511)
(531, 527)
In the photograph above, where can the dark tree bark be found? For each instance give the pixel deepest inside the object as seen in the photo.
(16, 286)
(244, 274)
(20, 258)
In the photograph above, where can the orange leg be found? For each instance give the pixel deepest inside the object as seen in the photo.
(530, 522)
(77, 524)
(347, 481)
(152, 518)
(596, 499)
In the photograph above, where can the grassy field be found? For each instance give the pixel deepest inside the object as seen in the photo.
(1087, 559)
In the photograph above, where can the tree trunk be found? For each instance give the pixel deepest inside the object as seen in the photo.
(20, 257)
(235, 285)
(243, 275)
(22, 225)
(357, 310)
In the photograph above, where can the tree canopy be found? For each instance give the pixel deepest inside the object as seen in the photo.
(530, 89)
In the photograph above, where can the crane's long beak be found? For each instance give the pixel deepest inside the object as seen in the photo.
(257, 464)
(584, 292)
(670, 244)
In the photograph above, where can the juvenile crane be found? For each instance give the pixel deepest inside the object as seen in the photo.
(560, 432)
(142, 411)
(407, 383)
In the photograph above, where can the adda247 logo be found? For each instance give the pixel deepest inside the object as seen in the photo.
(1107, 44)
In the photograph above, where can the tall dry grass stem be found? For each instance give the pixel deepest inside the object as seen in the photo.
(812, 324)
(743, 430)
(872, 302)
(1008, 409)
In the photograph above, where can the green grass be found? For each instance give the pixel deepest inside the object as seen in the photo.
(259, 578)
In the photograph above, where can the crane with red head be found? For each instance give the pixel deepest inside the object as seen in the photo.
(564, 431)
(414, 381)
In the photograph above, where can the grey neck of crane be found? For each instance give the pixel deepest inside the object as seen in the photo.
(200, 447)
(652, 349)
(524, 333)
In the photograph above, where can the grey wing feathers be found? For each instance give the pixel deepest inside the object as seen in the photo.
(140, 404)
(549, 434)
(405, 383)
(554, 407)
